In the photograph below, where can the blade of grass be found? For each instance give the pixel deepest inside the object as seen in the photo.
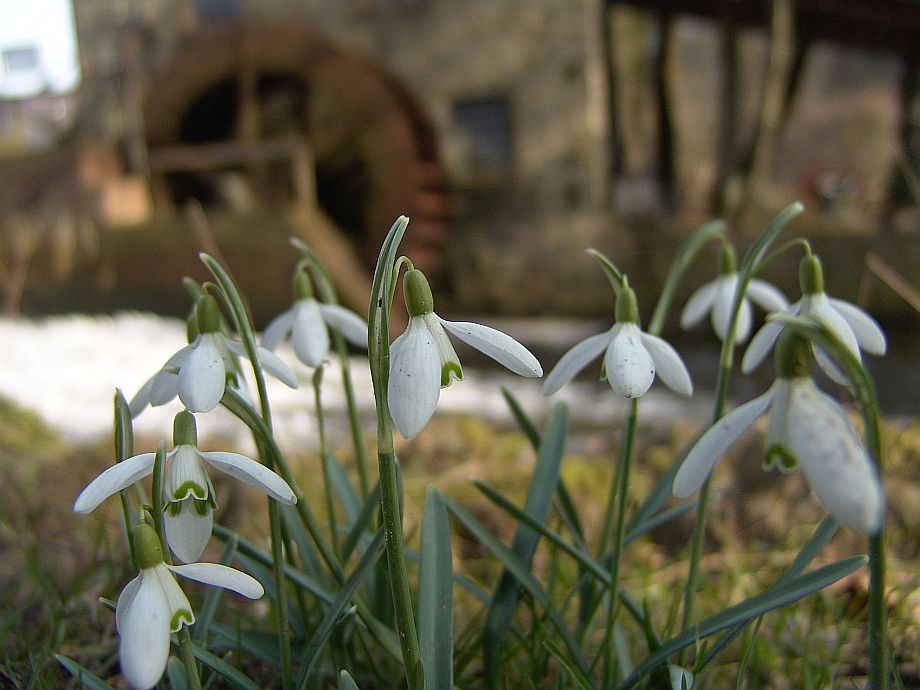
(435, 595)
(85, 677)
(537, 504)
(231, 674)
(775, 597)
(334, 613)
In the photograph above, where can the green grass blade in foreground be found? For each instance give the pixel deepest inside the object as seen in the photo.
(537, 504)
(435, 595)
(346, 682)
(682, 260)
(234, 677)
(581, 680)
(262, 644)
(523, 421)
(348, 497)
(359, 527)
(86, 678)
(775, 597)
(822, 535)
(523, 576)
(334, 613)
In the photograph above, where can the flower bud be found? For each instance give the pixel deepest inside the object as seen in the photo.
(185, 431)
(627, 309)
(147, 546)
(417, 293)
(728, 260)
(208, 315)
(303, 287)
(790, 358)
(811, 277)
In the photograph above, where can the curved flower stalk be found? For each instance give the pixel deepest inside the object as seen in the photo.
(850, 324)
(153, 605)
(716, 298)
(308, 323)
(198, 372)
(422, 359)
(190, 499)
(631, 356)
(807, 429)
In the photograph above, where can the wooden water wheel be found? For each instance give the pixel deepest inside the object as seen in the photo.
(275, 116)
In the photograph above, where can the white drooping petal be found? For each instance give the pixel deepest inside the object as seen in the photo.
(766, 296)
(777, 437)
(629, 366)
(251, 472)
(142, 398)
(833, 459)
(309, 334)
(819, 308)
(186, 476)
(712, 444)
(125, 598)
(722, 310)
(346, 322)
(574, 361)
(219, 575)
(203, 375)
(415, 378)
(868, 333)
(668, 365)
(276, 331)
(699, 304)
(114, 479)
(143, 625)
(830, 366)
(164, 387)
(499, 346)
(268, 360)
(180, 610)
(188, 532)
(761, 344)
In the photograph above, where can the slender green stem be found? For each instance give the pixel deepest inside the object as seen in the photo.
(878, 614)
(352, 408)
(323, 450)
(621, 491)
(188, 659)
(281, 605)
(699, 527)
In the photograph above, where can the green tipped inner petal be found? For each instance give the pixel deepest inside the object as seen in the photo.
(450, 371)
(179, 618)
(780, 458)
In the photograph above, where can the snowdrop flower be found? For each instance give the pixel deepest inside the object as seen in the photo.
(308, 323)
(849, 324)
(631, 357)
(422, 360)
(190, 499)
(198, 372)
(717, 296)
(807, 429)
(152, 606)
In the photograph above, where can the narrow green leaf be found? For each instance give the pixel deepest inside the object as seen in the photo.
(822, 535)
(306, 552)
(86, 678)
(263, 645)
(360, 525)
(334, 613)
(523, 421)
(345, 492)
(581, 680)
(346, 682)
(537, 504)
(523, 575)
(614, 274)
(775, 597)
(231, 674)
(435, 595)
